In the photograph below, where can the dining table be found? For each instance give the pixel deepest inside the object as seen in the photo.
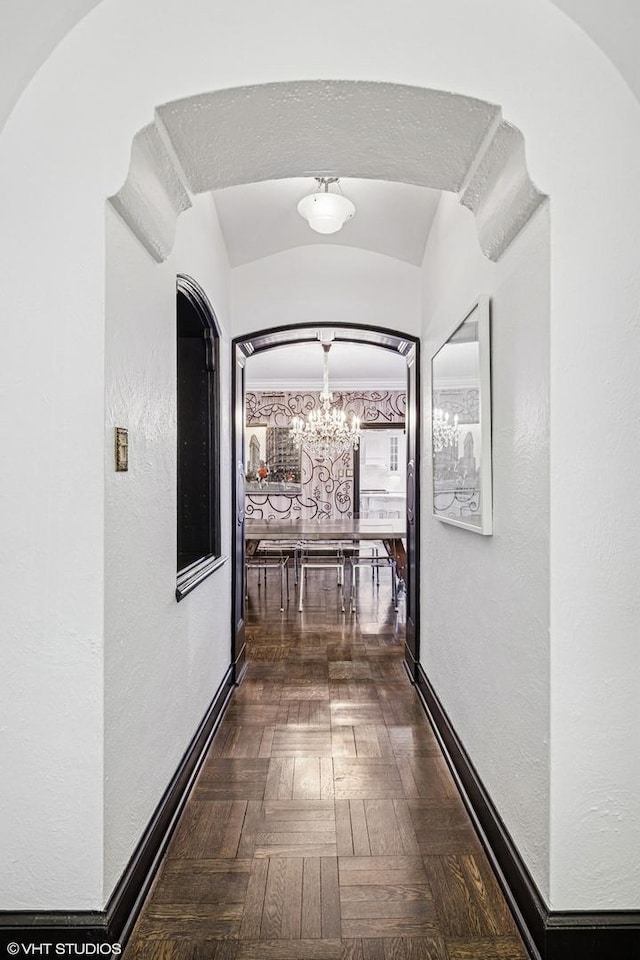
(390, 531)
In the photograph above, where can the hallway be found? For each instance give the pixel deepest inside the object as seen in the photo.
(324, 822)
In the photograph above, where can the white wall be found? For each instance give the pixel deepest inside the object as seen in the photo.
(30, 30)
(163, 660)
(65, 148)
(614, 26)
(51, 511)
(34, 27)
(319, 283)
(485, 627)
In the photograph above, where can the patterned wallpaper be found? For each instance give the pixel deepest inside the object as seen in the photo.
(463, 401)
(456, 474)
(327, 485)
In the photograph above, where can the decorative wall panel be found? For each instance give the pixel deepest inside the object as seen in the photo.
(327, 488)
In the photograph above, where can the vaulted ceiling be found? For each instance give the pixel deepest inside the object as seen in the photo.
(260, 219)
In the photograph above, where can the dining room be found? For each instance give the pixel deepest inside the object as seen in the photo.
(324, 469)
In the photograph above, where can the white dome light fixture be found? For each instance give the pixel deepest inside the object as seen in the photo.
(326, 212)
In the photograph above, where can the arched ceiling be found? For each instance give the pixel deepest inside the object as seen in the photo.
(260, 219)
(362, 129)
(31, 29)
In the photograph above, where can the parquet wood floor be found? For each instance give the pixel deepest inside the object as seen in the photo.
(324, 824)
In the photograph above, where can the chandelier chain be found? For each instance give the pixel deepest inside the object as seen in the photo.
(326, 432)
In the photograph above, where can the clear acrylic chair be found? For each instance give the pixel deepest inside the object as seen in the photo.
(376, 561)
(320, 555)
(270, 556)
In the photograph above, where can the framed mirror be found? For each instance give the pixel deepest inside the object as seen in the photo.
(272, 461)
(461, 424)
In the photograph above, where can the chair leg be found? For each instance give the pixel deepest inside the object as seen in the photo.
(394, 585)
(354, 588)
(281, 589)
(302, 576)
(375, 564)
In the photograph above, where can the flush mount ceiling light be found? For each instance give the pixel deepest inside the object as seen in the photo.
(326, 212)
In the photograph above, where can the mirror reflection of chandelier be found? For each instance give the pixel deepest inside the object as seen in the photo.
(326, 432)
(445, 434)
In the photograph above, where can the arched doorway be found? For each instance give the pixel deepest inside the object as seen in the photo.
(403, 344)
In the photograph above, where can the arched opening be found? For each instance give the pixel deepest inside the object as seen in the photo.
(408, 348)
(489, 174)
(275, 131)
(198, 447)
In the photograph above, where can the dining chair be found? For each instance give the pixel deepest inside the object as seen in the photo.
(321, 555)
(269, 556)
(376, 561)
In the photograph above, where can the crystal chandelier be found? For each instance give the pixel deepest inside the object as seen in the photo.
(445, 434)
(326, 212)
(326, 432)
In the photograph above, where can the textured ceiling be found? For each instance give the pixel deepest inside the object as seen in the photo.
(379, 131)
(259, 219)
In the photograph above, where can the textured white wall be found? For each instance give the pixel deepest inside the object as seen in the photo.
(65, 148)
(163, 660)
(485, 628)
(318, 283)
(51, 511)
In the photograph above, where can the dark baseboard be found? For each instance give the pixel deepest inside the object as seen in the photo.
(409, 663)
(608, 935)
(114, 924)
(548, 935)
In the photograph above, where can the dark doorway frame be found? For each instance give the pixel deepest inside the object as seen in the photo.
(408, 347)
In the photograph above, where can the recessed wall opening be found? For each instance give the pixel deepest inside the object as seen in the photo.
(198, 442)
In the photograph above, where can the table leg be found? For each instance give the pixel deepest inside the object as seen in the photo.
(395, 549)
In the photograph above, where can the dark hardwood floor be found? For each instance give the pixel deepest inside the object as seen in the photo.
(324, 823)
